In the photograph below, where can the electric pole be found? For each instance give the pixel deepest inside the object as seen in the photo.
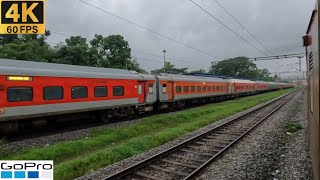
(299, 57)
(164, 61)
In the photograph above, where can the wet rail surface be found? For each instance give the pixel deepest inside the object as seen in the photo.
(187, 159)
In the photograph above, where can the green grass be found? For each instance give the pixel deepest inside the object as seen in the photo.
(293, 127)
(106, 146)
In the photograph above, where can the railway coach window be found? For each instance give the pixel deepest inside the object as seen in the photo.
(79, 92)
(118, 91)
(18, 94)
(204, 88)
(164, 88)
(193, 88)
(209, 88)
(52, 93)
(186, 88)
(178, 89)
(198, 88)
(150, 88)
(139, 89)
(100, 91)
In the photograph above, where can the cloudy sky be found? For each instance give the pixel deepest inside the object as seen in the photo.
(278, 24)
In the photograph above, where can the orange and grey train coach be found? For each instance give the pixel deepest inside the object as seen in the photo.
(311, 43)
(32, 89)
(41, 93)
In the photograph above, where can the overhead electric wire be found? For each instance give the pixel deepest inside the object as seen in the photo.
(170, 58)
(227, 27)
(233, 31)
(243, 27)
(145, 28)
(145, 59)
(169, 38)
(155, 55)
(62, 34)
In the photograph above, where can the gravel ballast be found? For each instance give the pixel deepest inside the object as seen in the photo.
(270, 152)
(107, 171)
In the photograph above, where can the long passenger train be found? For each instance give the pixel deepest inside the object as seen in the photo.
(34, 90)
(311, 42)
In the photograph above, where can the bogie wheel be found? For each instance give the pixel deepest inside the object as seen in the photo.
(105, 116)
(9, 128)
(130, 113)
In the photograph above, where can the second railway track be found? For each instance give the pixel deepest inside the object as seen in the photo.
(187, 159)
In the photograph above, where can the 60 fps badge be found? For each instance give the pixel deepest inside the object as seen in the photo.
(22, 17)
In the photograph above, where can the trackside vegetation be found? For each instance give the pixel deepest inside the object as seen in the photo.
(293, 127)
(107, 146)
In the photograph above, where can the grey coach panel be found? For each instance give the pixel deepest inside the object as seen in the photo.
(22, 112)
(152, 97)
(64, 73)
(195, 96)
(54, 66)
(163, 97)
(190, 78)
(242, 81)
(147, 77)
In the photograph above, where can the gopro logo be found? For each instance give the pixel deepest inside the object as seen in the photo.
(19, 170)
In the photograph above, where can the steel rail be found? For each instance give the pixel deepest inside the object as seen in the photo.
(197, 171)
(134, 168)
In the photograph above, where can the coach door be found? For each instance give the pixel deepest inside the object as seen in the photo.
(230, 88)
(141, 92)
(170, 90)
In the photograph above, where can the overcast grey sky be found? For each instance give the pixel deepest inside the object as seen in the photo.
(278, 24)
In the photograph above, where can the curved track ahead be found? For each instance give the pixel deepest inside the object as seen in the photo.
(187, 159)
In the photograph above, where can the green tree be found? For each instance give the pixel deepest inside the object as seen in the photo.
(240, 67)
(170, 68)
(41, 38)
(30, 50)
(135, 66)
(276, 78)
(26, 47)
(75, 52)
(8, 38)
(236, 67)
(112, 51)
(200, 71)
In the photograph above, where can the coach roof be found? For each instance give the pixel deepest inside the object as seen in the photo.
(177, 77)
(54, 66)
(16, 67)
(240, 81)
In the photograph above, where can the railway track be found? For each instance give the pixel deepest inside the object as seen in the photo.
(187, 159)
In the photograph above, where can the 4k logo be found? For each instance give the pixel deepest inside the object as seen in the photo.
(22, 17)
